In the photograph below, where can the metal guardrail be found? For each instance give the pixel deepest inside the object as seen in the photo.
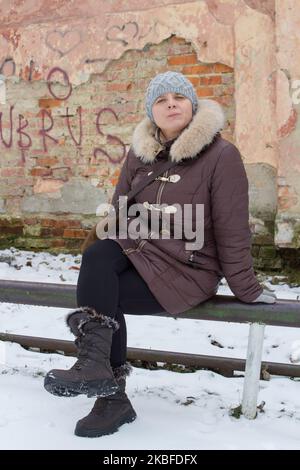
(223, 365)
(220, 308)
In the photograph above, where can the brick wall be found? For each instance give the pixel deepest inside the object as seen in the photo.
(62, 147)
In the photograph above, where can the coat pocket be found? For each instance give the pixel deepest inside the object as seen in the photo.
(199, 260)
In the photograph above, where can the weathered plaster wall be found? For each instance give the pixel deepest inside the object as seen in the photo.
(288, 49)
(103, 53)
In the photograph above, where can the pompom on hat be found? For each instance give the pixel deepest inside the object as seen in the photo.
(169, 82)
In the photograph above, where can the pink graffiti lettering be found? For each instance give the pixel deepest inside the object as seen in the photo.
(110, 138)
(25, 141)
(44, 132)
(79, 110)
(9, 143)
(66, 80)
(20, 130)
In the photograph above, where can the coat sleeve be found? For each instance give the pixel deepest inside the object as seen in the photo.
(124, 182)
(230, 217)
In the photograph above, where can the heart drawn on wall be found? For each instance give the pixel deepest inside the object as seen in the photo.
(124, 33)
(63, 42)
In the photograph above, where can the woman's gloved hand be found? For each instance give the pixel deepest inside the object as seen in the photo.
(266, 297)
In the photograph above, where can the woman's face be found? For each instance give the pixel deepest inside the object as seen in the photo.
(172, 112)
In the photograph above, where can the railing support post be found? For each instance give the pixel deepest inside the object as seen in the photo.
(252, 372)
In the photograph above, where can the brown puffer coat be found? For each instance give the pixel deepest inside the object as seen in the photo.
(211, 173)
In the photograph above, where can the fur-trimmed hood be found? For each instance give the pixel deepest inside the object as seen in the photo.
(206, 123)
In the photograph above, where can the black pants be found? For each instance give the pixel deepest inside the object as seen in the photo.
(110, 284)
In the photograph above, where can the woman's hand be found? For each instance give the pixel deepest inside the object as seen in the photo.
(266, 297)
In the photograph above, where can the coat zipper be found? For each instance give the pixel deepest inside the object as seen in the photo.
(128, 251)
(158, 201)
(161, 188)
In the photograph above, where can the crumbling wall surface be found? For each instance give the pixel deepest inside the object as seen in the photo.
(287, 231)
(72, 83)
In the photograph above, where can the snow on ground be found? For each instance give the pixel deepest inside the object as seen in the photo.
(175, 411)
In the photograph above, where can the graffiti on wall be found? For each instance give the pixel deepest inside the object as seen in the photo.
(63, 42)
(18, 133)
(7, 67)
(124, 33)
(17, 127)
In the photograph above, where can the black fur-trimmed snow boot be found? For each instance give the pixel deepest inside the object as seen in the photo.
(91, 375)
(109, 413)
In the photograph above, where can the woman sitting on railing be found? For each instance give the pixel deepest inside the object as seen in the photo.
(147, 276)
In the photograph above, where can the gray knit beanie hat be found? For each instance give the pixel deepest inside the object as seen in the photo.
(169, 82)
